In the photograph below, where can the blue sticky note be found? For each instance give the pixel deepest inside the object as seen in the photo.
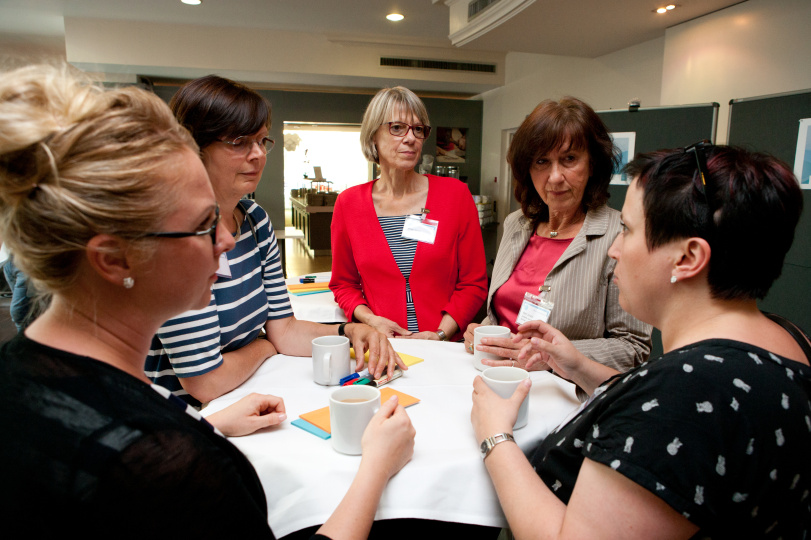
(306, 426)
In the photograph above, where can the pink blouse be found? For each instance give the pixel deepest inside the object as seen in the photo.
(530, 271)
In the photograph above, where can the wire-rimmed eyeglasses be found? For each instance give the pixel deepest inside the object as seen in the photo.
(212, 231)
(400, 129)
(243, 144)
(699, 149)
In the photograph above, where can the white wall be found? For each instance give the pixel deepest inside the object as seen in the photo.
(756, 48)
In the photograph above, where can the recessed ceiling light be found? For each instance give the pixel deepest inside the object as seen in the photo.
(192, 2)
(665, 9)
(394, 17)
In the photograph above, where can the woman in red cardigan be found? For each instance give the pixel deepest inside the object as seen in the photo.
(407, 251)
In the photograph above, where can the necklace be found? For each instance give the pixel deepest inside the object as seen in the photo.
(236, 220)
(553, 234)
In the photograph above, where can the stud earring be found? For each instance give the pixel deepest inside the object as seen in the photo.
(128, 282)
(673, 279)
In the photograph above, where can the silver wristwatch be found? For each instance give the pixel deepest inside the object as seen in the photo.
(442, 336)
(490, 442)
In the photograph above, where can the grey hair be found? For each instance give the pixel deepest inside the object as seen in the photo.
(383, 106)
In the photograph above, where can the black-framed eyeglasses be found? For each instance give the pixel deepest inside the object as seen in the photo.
(400, 129)
(700, 149)
(243, 144)
(212, 231)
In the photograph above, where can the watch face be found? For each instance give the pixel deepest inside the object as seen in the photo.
(484, 446)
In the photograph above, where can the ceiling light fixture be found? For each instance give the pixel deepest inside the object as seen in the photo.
(665, 9)
(395, 17)
(192, 2)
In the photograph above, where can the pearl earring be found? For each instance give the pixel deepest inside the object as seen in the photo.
(128, 282)
(673, 279)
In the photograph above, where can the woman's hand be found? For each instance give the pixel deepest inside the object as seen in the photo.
(422, 335)
(548, 346)
(387, 327)
(469, 337)
(542, 344)
(388, 441)
(381, 354)
(249, 414)
(492, 414)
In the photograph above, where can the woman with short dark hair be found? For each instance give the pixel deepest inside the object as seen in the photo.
(711, 439)
(562, 159)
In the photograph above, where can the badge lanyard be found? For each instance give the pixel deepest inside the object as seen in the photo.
(535, 308)
(420, 228)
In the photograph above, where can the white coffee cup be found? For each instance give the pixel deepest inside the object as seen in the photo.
(488, 332)
(331, 361)
(503, 381)
(350, 409)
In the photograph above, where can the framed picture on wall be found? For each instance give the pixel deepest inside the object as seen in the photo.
(451, 144)
(802, 159)
(626, 142)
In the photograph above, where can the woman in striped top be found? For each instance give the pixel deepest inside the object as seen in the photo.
(391, 269)
(202, 354)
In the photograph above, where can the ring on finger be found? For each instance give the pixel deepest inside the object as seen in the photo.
(513, 363)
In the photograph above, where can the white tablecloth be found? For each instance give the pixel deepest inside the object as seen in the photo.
(304, 478)
(319, 307)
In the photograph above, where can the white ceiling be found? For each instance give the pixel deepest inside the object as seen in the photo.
(586, 28)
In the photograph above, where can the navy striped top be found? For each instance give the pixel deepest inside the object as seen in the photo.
(403, 250)
(192, 343)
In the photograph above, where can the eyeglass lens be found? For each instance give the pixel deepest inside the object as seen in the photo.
(400, 129)
(244, 144)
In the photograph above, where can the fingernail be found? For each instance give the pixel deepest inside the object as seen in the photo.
(282, 417)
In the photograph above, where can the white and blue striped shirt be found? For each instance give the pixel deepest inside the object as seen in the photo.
(192, 343)
(403, 250)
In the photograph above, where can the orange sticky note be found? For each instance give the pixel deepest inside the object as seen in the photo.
(320, 417)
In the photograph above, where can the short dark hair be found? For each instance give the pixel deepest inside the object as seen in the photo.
(213, 107)
(545, 129)
(755, 201)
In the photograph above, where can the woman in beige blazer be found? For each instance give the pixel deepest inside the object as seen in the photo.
(562, 159)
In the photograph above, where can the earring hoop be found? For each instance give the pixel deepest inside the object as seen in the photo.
(128, 282)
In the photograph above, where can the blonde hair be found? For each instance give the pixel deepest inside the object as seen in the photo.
(380, 110)
(77, 161)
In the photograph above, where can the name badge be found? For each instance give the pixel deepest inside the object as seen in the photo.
(420, 229)
(225, 269)
(534, 308)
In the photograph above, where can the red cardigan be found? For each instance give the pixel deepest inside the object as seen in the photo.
(448, 276)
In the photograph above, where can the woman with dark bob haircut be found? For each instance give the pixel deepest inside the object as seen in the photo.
(203, 354)
(711, 439)
(562, 158)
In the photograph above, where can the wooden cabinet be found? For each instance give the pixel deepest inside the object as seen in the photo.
(314, 222)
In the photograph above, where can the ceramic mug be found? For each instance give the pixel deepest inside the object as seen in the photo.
(331, 361)
(489, 332)
(503, 381)
(350, 409)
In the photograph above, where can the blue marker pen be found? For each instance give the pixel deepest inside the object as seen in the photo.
(350, 377)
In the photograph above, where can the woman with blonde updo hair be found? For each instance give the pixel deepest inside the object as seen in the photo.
(106, 206)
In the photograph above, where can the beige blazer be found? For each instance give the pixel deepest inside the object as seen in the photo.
(587, 308)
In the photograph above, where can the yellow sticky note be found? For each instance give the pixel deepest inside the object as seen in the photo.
(407, 358)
